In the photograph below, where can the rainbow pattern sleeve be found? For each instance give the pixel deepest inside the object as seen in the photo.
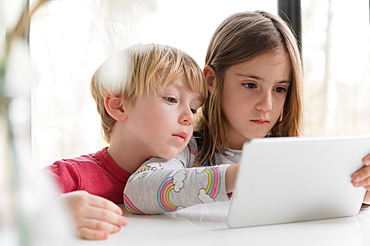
(161, 186)
(160, 190)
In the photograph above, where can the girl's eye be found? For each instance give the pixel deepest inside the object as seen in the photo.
(250, 85)
(280, 89)
(170, 99)
(194, 111)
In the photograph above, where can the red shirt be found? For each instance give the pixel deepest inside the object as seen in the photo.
(95, 173)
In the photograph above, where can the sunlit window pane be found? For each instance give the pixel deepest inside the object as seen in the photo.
(336, 67)
(69, 39)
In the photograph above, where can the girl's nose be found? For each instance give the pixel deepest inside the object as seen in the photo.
(265, 103)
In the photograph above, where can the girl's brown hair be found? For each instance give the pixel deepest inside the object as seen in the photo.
(239, 38)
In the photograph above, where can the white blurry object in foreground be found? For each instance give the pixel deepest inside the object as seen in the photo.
(31, 212)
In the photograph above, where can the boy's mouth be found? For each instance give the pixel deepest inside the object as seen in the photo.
(182, 135)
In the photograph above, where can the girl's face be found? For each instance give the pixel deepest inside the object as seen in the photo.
(253, 96)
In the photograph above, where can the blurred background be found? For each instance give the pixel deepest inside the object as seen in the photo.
(69, 39)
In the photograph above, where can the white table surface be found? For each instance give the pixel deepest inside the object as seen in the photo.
(206, 225)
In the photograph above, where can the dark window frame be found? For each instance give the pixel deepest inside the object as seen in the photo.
(290, 12)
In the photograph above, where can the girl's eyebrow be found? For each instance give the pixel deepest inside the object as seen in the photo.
(259, 78)
(249, 76)
(285, 82)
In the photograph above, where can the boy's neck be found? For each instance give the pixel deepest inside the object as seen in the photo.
(126, 157)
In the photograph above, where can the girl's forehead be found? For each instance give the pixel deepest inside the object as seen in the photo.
(265, 59)
(268, 66)
(272, 56)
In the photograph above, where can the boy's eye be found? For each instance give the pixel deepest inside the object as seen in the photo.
(170, 99)
(250, 85)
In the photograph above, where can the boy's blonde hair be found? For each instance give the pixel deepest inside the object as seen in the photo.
(239, 38)
(139, 69)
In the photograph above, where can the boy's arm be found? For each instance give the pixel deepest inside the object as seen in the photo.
(65, 174)
(161, 186)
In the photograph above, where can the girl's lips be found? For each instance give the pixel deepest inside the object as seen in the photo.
(260, 121)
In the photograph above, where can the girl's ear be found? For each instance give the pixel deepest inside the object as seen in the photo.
(209, 74)
(115, 108)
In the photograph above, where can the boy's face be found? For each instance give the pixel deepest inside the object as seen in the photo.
(161, 123)
(253, 96)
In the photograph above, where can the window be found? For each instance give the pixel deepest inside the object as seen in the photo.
(69, 39)
(335, 51)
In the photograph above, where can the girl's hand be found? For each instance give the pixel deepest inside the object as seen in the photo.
(95, 217)
(361, 178)
(230, 177)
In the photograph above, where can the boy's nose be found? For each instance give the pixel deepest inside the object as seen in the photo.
(187, 117)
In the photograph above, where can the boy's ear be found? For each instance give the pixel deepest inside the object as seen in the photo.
(115, 108)
(210, 76)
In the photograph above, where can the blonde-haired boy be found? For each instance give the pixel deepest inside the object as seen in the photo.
(147, 96)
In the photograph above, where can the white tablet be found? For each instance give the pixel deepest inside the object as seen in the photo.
(293, 179)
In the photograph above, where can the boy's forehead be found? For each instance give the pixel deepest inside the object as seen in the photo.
(183, 85)
(195, 85)
(179, 83)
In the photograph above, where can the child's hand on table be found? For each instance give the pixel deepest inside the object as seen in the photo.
(95, 217)
(361, 178)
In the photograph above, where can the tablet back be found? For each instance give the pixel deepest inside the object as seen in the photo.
(293, 179)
